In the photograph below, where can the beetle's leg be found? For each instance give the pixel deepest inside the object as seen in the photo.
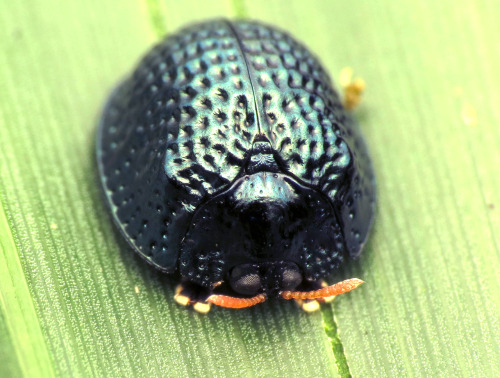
(308, 305)
(353, 89)
(188, 293)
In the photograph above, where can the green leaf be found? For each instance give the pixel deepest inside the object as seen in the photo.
(73, 301)
(431, 119)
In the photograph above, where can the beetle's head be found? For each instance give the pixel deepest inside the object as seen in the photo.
(265, 234)
(267, 213)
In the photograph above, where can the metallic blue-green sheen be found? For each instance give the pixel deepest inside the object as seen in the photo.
(228, 146)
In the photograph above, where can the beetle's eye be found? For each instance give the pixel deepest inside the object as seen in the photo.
(245, 282)
(248, 285)
(291, 279)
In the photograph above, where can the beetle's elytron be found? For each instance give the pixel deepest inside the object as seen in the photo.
(228, 157)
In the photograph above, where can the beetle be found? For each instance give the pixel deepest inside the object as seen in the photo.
(228, 158)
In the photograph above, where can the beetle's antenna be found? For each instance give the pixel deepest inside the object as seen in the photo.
(233, 302)
(328, 291)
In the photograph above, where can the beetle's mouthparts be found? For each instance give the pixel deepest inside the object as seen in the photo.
(325, 292)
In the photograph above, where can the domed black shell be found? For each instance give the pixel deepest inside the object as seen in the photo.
(179, 130)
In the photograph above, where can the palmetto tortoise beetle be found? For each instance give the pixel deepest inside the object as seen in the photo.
(227, 157)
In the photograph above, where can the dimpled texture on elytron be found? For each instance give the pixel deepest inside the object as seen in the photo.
(180, 128)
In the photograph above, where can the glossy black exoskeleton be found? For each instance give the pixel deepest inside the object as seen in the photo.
(228, 157)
